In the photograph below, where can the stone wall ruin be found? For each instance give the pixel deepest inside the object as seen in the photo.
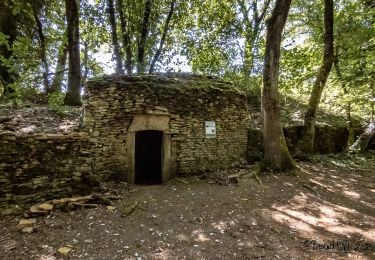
(39, 166)
(117, 107)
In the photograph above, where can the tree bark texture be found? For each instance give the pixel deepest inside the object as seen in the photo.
(85, 62)
(163, 37)
(252, 31)
(60, 67)
(276, 153)
(116, 46)
(73, 94)
(125, 38)
(42, 42)
(305, 144)
(143, 38)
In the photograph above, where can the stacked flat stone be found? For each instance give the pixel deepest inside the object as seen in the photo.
(35, 167)
(189, 100)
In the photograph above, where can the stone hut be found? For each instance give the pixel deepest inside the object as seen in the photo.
(148, 128)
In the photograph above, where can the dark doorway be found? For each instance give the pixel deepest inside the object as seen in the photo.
(148, 147)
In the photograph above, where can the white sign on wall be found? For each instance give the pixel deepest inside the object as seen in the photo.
(210, 129)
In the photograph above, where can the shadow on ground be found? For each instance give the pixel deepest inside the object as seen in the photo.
(326, 212)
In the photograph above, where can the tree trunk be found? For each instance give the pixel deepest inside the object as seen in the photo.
(144, 35)
(125, 38)
(73, 94)
(85, 62)
(252, 31)
(276, 153)
(163, 37)
(42, 42)
(60, 67)
(305, 144)
(364, 139)
(116, 46)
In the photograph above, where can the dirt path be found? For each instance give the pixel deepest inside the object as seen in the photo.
(327, 212)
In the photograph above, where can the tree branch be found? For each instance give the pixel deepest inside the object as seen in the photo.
(125, 38)
(163, 37)
(144, 35)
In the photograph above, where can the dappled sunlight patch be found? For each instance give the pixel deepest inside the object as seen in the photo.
(41, 119)
(337, 163)
(307, 217)
(345, 230)
(352, 194)
(338, 181)
(297, 116)
(162, 254)
(223, 226)
(182, 237)
(28, 129)
(302, 227)
(368, 204)
(320, 178)
(328, 187)
(288, 184)
(339, 185)
(47, 257)
(353, 180)
(67, 126)
(199, 236)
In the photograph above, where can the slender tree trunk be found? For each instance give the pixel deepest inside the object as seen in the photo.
(42, 42)
(305, 145)
(85, 62)
(125, 38)
(252, 30)
(143, 39)
(163, 37)
(276, 153)
(60, 67)
(116, 46)
(73, 94)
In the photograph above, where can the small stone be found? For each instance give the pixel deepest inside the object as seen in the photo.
(35, 210)
(45, 207)
(32, 220)
(24, 223)
(27, 230)
(111, 208)
(64, 250)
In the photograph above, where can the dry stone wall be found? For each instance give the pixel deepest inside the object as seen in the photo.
(39, 166)
(189, 101)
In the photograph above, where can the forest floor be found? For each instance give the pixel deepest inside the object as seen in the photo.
(33, 119)
(327, 211)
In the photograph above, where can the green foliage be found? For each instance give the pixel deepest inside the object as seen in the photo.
(56, 103)
(211, 37)
(354, 42)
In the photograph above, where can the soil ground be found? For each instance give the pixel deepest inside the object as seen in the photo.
(327, 211)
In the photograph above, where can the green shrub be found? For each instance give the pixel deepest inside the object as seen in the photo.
(56, 103)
